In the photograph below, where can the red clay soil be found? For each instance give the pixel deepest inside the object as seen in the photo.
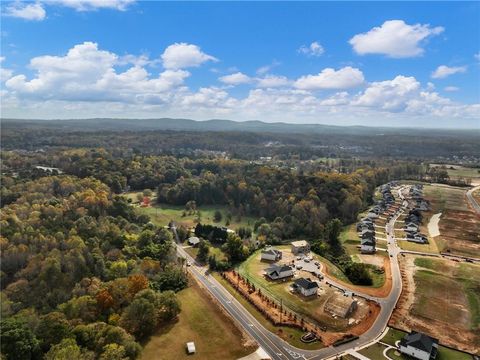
(272, 312)
(380, 292)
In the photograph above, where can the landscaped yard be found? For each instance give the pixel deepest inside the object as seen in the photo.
(202, 321)
(374, 352)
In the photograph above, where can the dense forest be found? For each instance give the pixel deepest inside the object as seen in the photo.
(82, 275)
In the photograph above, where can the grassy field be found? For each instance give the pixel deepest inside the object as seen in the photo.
(214, 250)
(289, 334)
(458, 171)
(202, 321)
(162, 214)
(431, 247)
(374, 352)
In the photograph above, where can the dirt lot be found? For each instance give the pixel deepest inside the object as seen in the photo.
(441, 298)
(459, 225)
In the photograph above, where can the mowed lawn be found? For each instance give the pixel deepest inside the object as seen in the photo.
(202, 321)
(162, 214)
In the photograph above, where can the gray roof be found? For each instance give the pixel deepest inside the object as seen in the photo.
(306, 283)
(419, 341)
(271, 252)
(278, 268)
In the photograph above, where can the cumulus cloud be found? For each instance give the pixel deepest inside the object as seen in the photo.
(451, 88)
(443, 71)
(89, 5)
(183, 55)
(390, 95)
(87, 73)
(395, 39)
(329, 78)
(27, 11)
(314, 49)
(88, 81)
(272, 81)
(237, 78)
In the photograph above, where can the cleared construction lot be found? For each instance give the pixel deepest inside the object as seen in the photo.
(459, 225)
(441, 298)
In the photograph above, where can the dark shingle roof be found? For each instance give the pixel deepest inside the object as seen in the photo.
(419, 341)
(306, 283)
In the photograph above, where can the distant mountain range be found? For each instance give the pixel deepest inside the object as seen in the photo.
(168, 124)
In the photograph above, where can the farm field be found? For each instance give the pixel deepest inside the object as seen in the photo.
(202, 321)
(441, 298)
(459, 225)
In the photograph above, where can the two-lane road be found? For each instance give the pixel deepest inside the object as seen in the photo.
(276, 347)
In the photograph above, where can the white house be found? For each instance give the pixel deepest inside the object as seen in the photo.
(306, 287)
(277, 272)
(300, 246)
(271, 254)
(419, 346)
(193, 241)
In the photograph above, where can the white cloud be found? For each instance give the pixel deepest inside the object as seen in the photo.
(89, 81)
(443, 71)
(235, 79)
(394, 38)
(272, 81)
(89, 5)
(451, 88)
(27, 11)
(329, 78)
(477, 56)
(87, 73)
(183, 55)
(314, 49)
(390, 95)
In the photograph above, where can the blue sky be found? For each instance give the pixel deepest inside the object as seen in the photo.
(344, 63)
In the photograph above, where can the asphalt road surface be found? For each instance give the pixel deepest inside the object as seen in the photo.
(475, 204)
(274, 345)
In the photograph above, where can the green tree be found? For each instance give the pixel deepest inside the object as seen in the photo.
(235, 249)
(217, 216)
(203, 251)
(67, 349)
(139, 318)
(52, 328)
(18, 342)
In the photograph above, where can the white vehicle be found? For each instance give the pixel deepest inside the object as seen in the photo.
(299, 267)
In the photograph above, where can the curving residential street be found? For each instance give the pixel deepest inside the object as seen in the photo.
(471, 199)
(276, 347)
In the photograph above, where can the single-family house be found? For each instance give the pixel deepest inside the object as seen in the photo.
(300, 246)
(271, 254)
(419, 346)
(278, 272)
(367, 246)
(306, 287)
(193, 241)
